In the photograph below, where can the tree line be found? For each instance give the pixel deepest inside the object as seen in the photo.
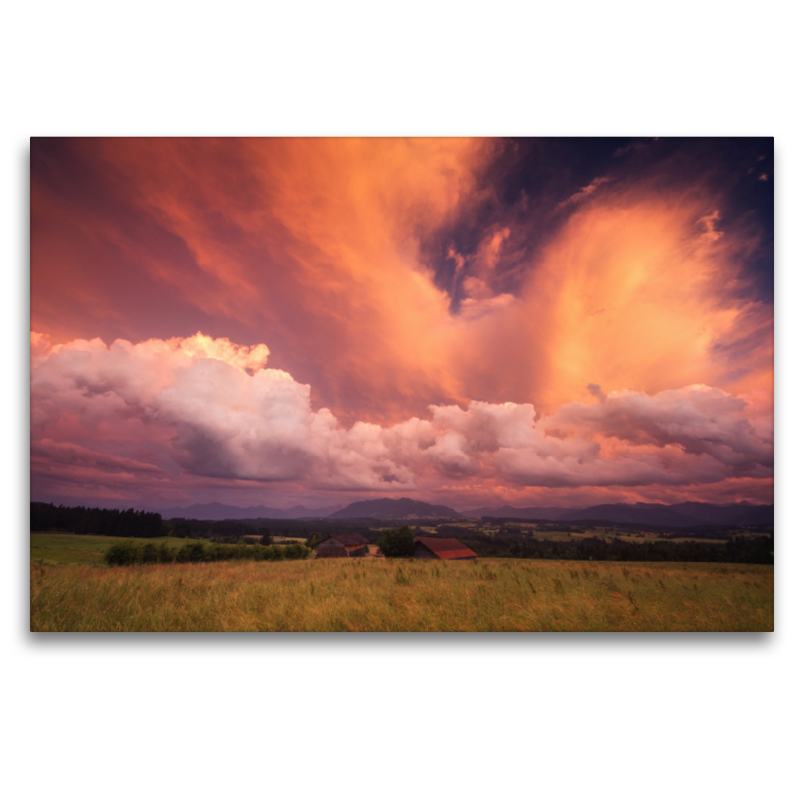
(741, 550)
(227, 530)
(504, 526)
(98, 521)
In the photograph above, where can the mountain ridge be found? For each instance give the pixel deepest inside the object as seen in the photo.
(220, 511)
(678, 515)
(386, 508)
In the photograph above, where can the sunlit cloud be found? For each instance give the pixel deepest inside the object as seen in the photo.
(381, 359)
(214, 409)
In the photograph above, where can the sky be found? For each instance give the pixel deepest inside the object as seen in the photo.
(551, 322)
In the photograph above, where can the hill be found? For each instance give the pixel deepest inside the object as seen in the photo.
(732, 514)
(528, 512)
(678, 515)
(386, 508)
(649, 513)
(221, 511)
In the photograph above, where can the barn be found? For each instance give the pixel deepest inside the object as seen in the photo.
(343, 545)
(448, 549)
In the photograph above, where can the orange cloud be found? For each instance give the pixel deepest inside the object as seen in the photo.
(315, 246)
(633, 292)
(318, 242)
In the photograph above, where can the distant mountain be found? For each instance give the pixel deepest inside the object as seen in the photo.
(645, 513)
(385, 508)
(301, 512)
(529, 512)
(759, 515)
(220, 511)
(678, 515)
(732, 514)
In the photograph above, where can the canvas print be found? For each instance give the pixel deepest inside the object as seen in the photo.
(390, 384)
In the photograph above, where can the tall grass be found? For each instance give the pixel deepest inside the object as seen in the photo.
(382, 595)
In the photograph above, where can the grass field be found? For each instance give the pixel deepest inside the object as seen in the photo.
(386, 595)
(69, 548)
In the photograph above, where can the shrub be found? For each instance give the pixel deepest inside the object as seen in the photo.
(191, 553)
(397, 542)
(149, 554)
(215, 552)
(275, 552)
(296, 551)
(123, 554)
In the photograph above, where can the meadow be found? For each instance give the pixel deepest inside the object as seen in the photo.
(69, 548)
(403, 595)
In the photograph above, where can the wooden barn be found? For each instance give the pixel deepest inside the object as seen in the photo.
(343, 545)
(447, 549)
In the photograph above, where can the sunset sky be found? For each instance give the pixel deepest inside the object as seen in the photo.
(555, 322)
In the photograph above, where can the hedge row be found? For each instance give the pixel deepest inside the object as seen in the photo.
(130, 552)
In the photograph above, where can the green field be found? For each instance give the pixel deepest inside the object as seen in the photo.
(70, 548)
(388, 595)
(600, 533)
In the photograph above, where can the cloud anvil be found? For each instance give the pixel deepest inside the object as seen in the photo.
(550, 322)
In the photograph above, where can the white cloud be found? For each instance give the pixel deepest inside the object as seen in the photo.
(196, 400)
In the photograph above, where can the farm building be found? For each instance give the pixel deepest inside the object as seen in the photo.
(343, 545)
(448, 549)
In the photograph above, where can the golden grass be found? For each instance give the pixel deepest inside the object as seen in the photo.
(385, 595)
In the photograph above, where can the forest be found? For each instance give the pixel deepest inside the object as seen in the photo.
(98, 521)
(740, 550)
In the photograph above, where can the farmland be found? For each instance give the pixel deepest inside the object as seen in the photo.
(67, 548)
(403, 595)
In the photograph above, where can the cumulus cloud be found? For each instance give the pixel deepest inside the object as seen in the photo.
(214, 409)
(698, 419)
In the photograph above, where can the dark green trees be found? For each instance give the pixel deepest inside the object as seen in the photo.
(397, 542)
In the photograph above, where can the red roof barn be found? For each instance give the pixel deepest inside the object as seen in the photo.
(342, 545)
(448, 549)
